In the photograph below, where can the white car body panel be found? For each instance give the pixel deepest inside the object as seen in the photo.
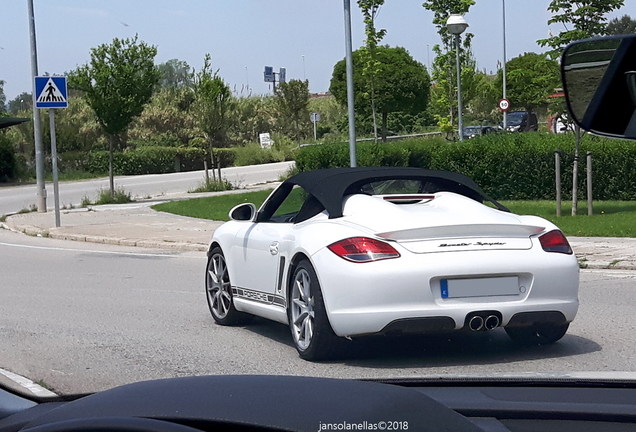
(444, 238)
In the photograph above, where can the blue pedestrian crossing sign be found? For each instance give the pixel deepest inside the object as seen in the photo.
(51, 92)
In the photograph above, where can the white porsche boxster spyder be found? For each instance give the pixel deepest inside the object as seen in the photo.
(346, 252)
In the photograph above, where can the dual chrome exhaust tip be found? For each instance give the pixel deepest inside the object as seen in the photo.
(486, 322)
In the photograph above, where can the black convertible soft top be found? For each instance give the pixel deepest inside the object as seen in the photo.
(330, 186)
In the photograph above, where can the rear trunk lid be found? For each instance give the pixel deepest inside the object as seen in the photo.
(444, 223)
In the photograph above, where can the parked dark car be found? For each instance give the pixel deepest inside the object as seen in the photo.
(475, 131)
(517, 121)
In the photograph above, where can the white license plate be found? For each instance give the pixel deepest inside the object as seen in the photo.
(481, 287)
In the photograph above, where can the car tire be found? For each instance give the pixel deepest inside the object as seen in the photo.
(313, 336)
(218, 291)
(538, 333)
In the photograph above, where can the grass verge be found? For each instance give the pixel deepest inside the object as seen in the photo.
(214, 208)
(611, 218)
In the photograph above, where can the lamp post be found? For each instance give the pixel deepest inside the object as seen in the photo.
(304, 76)
(428, 59)
(505, 117)
(456, 25)
(37, 122)
(350, 96)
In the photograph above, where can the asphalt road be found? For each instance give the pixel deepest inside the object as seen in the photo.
(86, 317)
(15, 198)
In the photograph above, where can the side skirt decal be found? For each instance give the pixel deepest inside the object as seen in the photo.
(259, 297)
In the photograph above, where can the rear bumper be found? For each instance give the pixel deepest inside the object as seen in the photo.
(404, 294)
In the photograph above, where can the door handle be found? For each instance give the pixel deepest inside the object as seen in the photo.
(273, 248)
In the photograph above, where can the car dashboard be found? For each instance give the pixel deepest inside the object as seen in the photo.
(288, 403)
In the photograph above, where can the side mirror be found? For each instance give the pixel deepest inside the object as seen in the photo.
(243, 212)
(599, 81)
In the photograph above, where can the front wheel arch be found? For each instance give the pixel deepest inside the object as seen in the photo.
(213, 246)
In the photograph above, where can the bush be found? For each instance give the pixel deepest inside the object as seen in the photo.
(120, 196)
(506, 166)
(147, 160)
(253, 154)
(7, 159)
(166, 139)
(226, 156)
(213, 186)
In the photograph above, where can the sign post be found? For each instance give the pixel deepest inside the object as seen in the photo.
(315, 118)
(270, 76)
(266, 140)
(50, 92)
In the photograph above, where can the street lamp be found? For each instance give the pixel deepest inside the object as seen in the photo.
(428, 59)
(456, 24)
(304, 76)
(505, 116)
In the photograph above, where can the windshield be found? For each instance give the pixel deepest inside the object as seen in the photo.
(472, 130)
(173, 113)
(516, 118)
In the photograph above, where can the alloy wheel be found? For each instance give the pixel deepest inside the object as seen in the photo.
(218, 286)
(302, 310)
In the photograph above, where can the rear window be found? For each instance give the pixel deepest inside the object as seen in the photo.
(406, 186)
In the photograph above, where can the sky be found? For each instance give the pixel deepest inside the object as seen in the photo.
(243, 36)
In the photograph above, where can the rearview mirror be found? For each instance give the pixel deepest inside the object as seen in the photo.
(243, 212)
(599, 81)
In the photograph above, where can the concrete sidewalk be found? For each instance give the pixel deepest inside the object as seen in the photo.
(136, 224)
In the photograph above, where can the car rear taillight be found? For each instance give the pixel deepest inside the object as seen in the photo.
(363, 249)
(555, 241)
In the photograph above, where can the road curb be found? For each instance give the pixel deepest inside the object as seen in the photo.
(603, 266)
(26, 384)
(149, 244)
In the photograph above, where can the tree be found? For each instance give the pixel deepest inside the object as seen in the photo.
(250, 116)
(212, 99)
(116, 84)
(483, 106)
(292, 100)
(531, 78)
(3, 98)
(586, 19)
(22, 102)
(622, 25)
(370, 68)
(581, 19)
(167, 120)
(444, 72)
(175, 74)
(402, 84)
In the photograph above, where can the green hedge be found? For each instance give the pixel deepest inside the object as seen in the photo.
(147, 160)
(508, 166)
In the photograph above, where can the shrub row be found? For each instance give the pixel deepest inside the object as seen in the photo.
(146, 160)
(160, 160)
(506, 166)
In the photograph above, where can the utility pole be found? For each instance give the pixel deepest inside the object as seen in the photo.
(37, 121)
(350, 100)
(505, 115)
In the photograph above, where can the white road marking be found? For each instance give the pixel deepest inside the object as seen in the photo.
(96, 251)
(34, 388)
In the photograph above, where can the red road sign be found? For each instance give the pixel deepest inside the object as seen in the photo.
(504, 104)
